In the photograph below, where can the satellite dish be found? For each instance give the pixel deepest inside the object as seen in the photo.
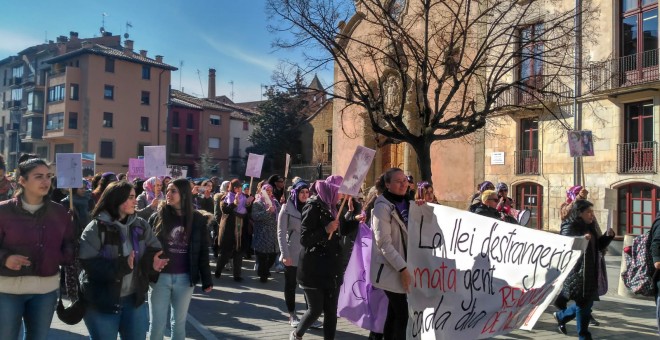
(125, 35)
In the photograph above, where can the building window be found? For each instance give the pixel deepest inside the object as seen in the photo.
(639, 33)
(140, 150)
(528, 155)
(214, 143)
(144, 123)
(215, 120)
(144, 98)
(109, 92)
(530, 197)
(107, 119)
(73, 120)
(55, 121)
(64, 148)
(189, 144)
(17, 75)
(638, 152)
(246, 125)
(73, 92)
(639, 203)
(175, 119)
(56, 93)
(109, 65)
(531, 55)
(237, 147)
(107, 149)
(174, 143)
(146, 72)
(190, 121)
(35, 101)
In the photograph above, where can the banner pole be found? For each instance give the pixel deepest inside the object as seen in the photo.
(250, 188)
(343, 201)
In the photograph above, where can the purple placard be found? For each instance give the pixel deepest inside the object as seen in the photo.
(357, 171)
(135, 169)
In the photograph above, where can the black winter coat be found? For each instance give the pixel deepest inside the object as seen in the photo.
(487, 211)
(589, 260)
(320, 264)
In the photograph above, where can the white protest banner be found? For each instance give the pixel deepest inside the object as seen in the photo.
(154, 161)
(476, 277)
(69, 170)
(357, 171)
(135, 169)
(254, 164)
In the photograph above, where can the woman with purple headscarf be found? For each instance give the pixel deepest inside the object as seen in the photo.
(264, 238)
(320, 268)
(148, 200)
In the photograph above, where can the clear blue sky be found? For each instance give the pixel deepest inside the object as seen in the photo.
(228, 35)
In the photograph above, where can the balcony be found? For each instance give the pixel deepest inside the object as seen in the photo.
(637, 158)
(528, 162)
(631, 70)
(546, 89)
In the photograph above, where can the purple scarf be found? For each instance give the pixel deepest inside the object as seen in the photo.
(328, 193)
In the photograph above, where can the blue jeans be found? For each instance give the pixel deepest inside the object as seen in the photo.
(657, 311)
(34, 311)
(130, 323)
(172, 291)
(581, 312)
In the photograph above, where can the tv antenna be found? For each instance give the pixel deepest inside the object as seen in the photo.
(231, 94)
(199, 75)
(102, 29)
(128, 25)
(180, 73)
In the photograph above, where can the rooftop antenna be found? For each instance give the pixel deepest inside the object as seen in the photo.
(102, 29)
(231, 94)
(180, 73)
(199, 75)
(128, 24)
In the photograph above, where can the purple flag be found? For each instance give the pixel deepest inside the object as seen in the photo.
(360, 302)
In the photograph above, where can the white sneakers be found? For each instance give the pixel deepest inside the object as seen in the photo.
(294, 321)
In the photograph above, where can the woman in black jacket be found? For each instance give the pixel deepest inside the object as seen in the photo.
(183, 234)
(581, 285)
(118, 253)
(320, 267)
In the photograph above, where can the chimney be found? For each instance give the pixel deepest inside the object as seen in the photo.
(62, 39)
(128, 46)
(143, 53)
(73, 35)
(159, 58)
(211, 83)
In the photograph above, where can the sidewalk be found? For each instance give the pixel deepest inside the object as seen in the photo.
(255, 310)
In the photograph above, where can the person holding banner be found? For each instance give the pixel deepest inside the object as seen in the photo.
(264, 241)
(320, 268)
(581, 285)
(36, 237)
(288, 236)
(389, 270)
(148, 200)
(118, 253)
(182, 232)
(232, 211)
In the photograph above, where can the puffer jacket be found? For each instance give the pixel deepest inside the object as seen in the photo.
(388, 251)
(589, 279)
(45, 237)
(105, 263)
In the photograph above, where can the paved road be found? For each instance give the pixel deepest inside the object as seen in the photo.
(255, 310)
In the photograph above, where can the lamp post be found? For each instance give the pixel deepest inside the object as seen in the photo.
(577, 106)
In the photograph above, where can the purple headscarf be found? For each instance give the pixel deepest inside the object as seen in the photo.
(149, 187)
(328, 193)
(261, 197)
(295, 190)
(334, 180)
(485, 185)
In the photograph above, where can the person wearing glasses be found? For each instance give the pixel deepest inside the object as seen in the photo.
(277, 182)
(36, 237)
(488, 205)
(505, 203)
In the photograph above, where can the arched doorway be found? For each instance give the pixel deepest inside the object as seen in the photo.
(529, 196)
(638, 205)
(392, 156)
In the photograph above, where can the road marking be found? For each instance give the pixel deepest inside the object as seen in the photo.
(200, 328)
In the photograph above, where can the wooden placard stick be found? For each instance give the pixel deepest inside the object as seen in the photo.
(343, 201)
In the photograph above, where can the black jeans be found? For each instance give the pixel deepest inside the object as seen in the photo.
(290, 288)
(320, 300)
(397, 316)
(223, 259)
(265, 261)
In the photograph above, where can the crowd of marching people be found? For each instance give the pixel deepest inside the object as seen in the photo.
(132, 252)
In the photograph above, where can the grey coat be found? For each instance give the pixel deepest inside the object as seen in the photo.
(288, 232)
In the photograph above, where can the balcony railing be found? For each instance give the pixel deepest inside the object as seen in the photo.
(528, 162)
(542, 89)
(625, 71)
(637, 158)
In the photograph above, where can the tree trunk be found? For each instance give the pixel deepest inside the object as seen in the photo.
(423, 151)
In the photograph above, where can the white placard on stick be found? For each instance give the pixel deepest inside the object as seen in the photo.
(69, 170)
(154, 161)
(288, 164)
(357, 171)
(254, 164)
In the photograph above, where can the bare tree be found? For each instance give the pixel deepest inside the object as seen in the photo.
(423, 71)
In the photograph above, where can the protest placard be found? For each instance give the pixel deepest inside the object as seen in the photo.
(475, 277)
(357, 171)
(88, 164)
(135, 169)
(287, 166)
(254, 164)
(69, 170)
(154, 161)
(177, 171)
